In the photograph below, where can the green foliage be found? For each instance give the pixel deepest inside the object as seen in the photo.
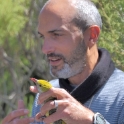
(112, 37)
(20, 54)
(11, 18)
(29, 100)
(12, 21)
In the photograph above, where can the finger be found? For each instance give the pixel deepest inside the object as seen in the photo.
(33, 89)
(15, 114)
(21, 104)
(52, 118)
(59, 105)
(44, 110)
(58, 93)
(22, 121)
(39, 117)
(51, 106)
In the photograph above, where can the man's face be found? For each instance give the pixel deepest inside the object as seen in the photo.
(63, 44)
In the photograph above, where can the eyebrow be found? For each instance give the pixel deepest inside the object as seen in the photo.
(52, 31)
(55, 30)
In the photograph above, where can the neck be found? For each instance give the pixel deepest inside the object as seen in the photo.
(92, 59)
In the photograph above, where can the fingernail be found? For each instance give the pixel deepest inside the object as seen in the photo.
(32, 119)
(32, 87)
(26, 111)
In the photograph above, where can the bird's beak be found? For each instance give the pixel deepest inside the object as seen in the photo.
(34, 80)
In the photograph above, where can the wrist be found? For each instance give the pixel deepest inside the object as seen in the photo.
(90, 118)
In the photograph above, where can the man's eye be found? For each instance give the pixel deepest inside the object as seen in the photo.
(56, 34)
(40, 36)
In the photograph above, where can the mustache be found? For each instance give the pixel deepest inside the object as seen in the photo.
(55, 55)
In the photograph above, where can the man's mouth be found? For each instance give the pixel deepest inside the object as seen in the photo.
(54, 61)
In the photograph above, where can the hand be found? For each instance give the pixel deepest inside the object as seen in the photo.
(69, 109)
(14, 116)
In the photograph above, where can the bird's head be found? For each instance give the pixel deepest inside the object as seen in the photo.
(42, 85)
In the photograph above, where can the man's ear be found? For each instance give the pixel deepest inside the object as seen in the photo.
(94, 33)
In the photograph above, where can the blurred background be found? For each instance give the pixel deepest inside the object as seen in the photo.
(20, 47)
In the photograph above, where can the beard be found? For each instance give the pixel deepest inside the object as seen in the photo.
(73, 65)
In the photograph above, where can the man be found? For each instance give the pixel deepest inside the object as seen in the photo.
(91, 87)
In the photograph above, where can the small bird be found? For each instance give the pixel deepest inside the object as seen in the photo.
(44, 86)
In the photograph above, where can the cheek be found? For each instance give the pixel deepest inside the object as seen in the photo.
(65, 45)
(66, 49)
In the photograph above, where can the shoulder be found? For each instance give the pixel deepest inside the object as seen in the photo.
(111, 98)
(117, 77)
(113, 90)
(116, 81)
(118, 73)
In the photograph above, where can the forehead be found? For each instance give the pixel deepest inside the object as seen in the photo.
(48, 19)
(55, 15)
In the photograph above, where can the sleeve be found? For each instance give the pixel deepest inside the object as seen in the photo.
(36, 109)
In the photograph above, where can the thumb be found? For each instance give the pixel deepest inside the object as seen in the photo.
(33, 89)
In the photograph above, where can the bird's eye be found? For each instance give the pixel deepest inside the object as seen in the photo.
(40, 85)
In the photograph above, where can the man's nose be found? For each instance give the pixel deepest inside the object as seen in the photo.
(48, 47)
